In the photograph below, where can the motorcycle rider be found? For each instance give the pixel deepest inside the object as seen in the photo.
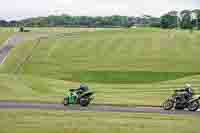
(187, 93)
(83, 87)
(80, 90)
(76, 92)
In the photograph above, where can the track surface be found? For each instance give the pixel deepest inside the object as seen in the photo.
(8, 45)
(92, 108)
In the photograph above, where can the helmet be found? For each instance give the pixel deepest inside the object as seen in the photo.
(84, 87)
(188, 86)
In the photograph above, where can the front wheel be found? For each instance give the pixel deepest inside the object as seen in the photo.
(193, 106)
(168, 105)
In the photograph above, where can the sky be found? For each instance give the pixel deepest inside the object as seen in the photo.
(20, 9)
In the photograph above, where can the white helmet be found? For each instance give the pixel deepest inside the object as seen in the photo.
(188, 86)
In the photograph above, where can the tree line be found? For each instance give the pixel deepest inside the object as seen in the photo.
(84, 21)
(185, 19)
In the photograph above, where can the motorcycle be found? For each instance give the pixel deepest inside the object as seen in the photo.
(77, 96)
(178, 101)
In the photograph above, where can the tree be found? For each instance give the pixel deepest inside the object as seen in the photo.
(3, 23)
(186, 19)
(168, 21)
(197, 21)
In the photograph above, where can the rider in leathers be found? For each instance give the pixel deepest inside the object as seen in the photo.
(187, 93)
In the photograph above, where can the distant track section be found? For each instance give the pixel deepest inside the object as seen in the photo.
(8, 45)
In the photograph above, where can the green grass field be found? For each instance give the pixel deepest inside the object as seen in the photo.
(118, 56)
(8, 29)
(4, 36)
(131, 67)
(124, 67)
(32, 121)
(64, 30)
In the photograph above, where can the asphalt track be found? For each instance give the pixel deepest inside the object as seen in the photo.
(91, 108)
(8, 45)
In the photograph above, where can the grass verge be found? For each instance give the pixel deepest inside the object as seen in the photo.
(32, 121)
(4, 36)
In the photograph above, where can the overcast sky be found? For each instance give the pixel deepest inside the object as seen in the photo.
(19, 9)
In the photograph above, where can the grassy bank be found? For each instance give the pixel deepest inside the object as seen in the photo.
(131, 67)
(33, 121)
(36, 89)
(4, 36)
(111, 56)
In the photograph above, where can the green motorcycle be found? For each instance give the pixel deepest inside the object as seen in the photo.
(79, 96)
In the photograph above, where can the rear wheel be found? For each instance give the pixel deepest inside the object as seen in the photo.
(193, 106)
(168, 105)
(65, 101)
